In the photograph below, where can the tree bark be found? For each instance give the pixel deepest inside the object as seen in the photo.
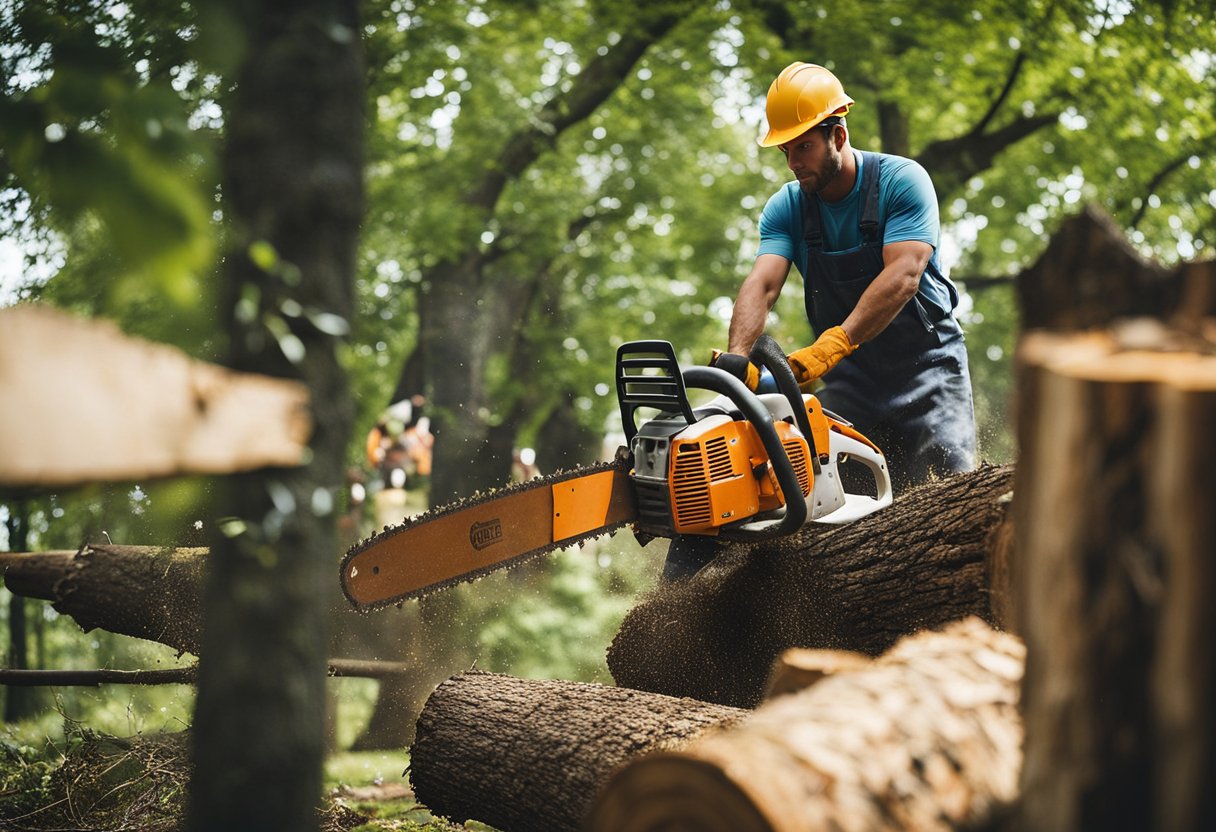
(18, 704)
(1090, 275)
(926, 737)
(293, 195)
(148, 592)
(1115, 537)
(922, 562)
(524, 755)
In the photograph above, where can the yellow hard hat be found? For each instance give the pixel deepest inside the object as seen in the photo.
(802, 96)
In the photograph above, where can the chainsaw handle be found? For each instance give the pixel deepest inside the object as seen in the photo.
(767, 353)
(720, 381)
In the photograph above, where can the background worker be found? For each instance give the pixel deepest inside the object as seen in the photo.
(863, 230)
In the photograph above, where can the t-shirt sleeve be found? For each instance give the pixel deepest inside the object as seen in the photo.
(776, 224)
(912, 207)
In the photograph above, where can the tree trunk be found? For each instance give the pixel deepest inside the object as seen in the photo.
(147, 592)
(456, 328)
(927, 737)
(530, 755)
(293, 191)
(1115, 537)
(1090, 275)
(23, 703)
(922, 562)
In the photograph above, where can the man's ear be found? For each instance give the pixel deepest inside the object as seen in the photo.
(840, 135)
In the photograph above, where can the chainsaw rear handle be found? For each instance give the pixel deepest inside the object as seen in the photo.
(752, 409)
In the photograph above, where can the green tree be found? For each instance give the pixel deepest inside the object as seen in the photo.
(105, 153)
(637, 220)
(293, 203)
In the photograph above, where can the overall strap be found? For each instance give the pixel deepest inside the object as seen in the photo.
(812, 220)
(871, 163)
(812, 223)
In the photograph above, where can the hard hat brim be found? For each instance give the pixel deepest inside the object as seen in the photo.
(775, 137)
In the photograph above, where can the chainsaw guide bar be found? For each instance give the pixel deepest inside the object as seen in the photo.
(467, 539)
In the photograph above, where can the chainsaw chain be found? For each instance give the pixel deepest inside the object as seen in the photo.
(621, 463)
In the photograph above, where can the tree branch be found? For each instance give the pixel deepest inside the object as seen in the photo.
(1159, 177)
(591, 88)
(1014, 71)
(173, 676)
(951, 162)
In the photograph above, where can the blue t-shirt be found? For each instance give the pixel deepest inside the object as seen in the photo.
(907, 210)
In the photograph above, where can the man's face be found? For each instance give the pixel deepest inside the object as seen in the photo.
(814, 158)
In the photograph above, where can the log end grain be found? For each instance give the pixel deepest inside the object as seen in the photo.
(677, 793)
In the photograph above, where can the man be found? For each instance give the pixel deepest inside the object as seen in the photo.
(862, 228)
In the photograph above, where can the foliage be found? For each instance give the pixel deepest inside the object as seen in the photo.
(107, 128)
(554, 618)
(636, 222)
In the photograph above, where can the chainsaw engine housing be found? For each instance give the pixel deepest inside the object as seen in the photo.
(694, 479)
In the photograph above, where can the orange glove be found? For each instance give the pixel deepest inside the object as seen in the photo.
(809, 363)
(738, 366)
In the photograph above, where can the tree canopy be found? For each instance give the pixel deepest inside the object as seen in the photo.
(550, 178)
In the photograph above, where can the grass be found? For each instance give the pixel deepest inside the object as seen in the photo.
(93, 781)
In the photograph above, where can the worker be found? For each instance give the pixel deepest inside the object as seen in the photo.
(862, 228)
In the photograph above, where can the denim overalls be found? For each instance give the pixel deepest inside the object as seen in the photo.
(908, 389)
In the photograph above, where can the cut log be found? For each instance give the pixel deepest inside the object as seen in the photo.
(798, 668)
(147, 592)
(527, 755)
(926, 737)
(920, 563)
(1116, 532)
(152, 411)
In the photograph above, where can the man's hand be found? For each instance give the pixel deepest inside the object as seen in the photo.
(738, 366)
(809, 363)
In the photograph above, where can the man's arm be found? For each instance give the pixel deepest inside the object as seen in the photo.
(895, 285)
(756, 297)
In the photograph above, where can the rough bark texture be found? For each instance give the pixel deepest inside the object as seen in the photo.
(1090, 275)
(926, 737)
(801, 667)
(293, 183)
(147, 592)
(919, 563)
(523, 755)
(1115, 539)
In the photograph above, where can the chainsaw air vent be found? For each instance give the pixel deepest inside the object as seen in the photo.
(690, 487)
(797, 452)
(717, 454)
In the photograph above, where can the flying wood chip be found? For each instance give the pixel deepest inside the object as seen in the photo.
(85, 403)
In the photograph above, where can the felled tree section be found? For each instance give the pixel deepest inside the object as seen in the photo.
(1116, 531)
(148, 592)
(86, 403)
(926, 737)
(524, 754)
(922, 562)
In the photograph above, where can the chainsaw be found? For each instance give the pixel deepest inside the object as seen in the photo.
(742, 467)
